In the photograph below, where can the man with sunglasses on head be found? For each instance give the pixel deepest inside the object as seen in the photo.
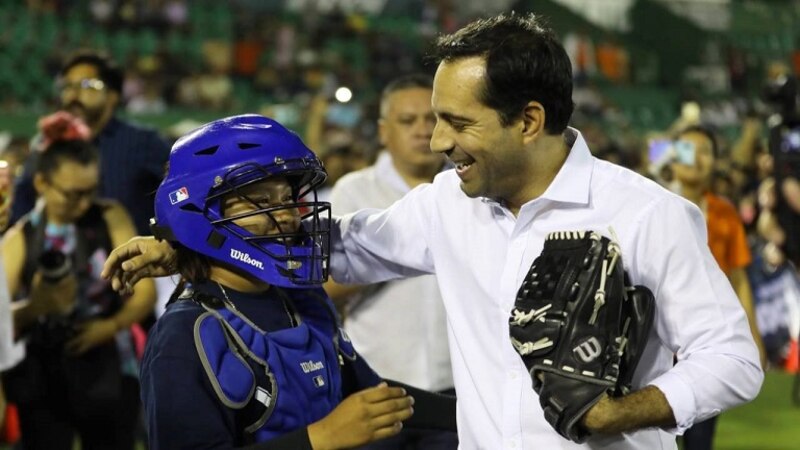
(132, 158)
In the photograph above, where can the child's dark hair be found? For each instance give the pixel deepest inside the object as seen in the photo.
(58, 152)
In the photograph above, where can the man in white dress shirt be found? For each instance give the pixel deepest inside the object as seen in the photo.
(502, 99)
(398, 326)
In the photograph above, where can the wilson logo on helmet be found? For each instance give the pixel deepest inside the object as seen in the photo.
(245, 258)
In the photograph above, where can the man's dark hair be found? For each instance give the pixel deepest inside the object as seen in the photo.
(59, 152)
(414, 80)
(705, 131)
(524, 62)
(410, 81)
(108, 71)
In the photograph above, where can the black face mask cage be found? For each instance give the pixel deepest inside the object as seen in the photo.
(309, 244)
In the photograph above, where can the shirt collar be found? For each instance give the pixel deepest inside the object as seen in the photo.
(386, 171)
(573, 180)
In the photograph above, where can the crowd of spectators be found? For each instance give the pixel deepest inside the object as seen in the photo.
(289, 66)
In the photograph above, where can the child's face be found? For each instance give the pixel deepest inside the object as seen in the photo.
(265, 194)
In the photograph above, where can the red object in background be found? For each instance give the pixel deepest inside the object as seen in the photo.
(139, 337)
(793, 358)
(247, 54)
(796, 62)
(10, 433)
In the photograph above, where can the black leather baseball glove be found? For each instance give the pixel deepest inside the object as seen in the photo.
(579, 326)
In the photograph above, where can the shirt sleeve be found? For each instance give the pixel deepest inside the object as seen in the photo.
(373, 245)
(698, 316)
(432, 411)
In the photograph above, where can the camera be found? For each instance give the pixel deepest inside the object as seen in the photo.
(54, 266)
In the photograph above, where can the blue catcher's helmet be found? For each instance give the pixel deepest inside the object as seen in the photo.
(220, 158)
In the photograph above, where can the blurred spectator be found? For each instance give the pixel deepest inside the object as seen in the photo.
(776, 290)
(176, 12)
(80, 371)
(132, 157)
(247, 54)
(212, 89)
(782, 91)
(143, 87)
(102, 11)
(580, 48)
(337, 147)
(726, 238)
(399, 326)
(11, 352)
(612, 60)
(775, 282)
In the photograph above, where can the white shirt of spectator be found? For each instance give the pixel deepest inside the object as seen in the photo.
(399, 327)
(480, 252)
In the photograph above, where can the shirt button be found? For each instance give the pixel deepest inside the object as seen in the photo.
(512, 444)
(514, 375)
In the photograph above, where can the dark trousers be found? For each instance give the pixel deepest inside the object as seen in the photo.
(409, 439)
(701, 435)
(59, 396)
(53, 424)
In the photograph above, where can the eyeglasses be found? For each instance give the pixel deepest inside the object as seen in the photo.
(74, 195)
(85, 84)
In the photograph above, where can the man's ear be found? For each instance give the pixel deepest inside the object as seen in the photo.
(382, 131)
(533, 119)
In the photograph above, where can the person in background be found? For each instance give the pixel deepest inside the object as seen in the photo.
(399, 326)
(132, 158)
(11, 352)
(726, 238)
(79, 375)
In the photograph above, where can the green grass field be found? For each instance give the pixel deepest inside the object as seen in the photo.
(770, 422)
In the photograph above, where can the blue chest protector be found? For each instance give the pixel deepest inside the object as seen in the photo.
(280, 380)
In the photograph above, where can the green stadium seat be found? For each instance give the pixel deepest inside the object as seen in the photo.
(147, 42)
(122, 43)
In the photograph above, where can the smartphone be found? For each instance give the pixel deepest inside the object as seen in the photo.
(790, 140)
(343, 115)
(684, 152)
(660, 151)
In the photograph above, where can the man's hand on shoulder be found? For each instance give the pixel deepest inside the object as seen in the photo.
(140, 257)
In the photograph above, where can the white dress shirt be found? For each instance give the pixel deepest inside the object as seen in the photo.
(480, 252)
(399, 327)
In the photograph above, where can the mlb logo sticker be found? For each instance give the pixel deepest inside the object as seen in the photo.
(179, 195)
